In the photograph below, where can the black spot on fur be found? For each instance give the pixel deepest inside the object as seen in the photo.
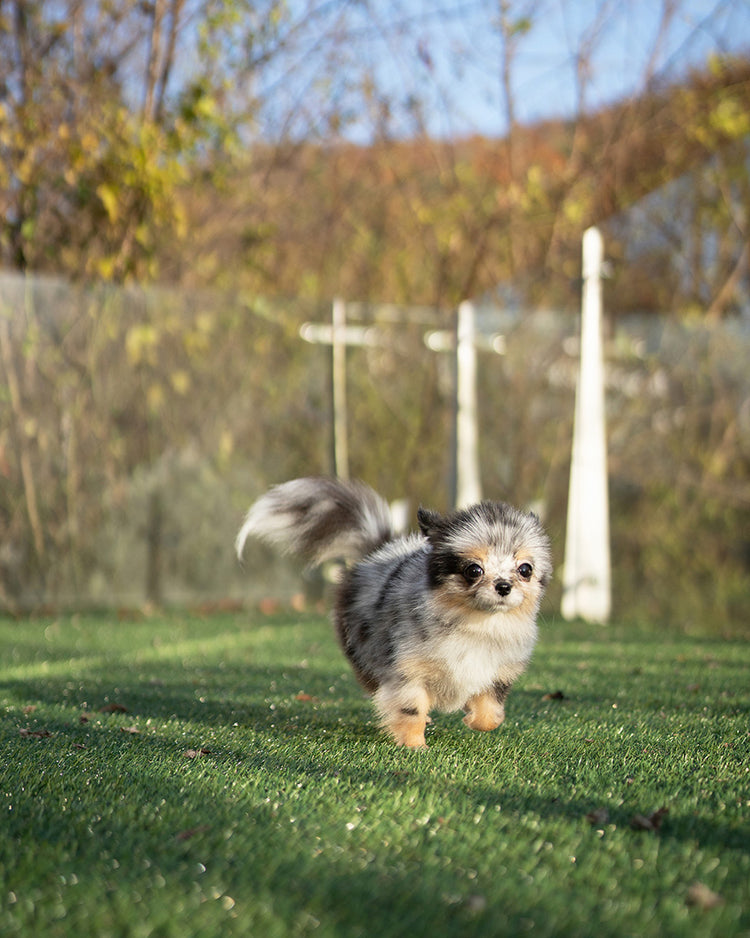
(365, 629)
(429, 521)
(501, 691)
(410, 711)
(389, 582)
(441, 565)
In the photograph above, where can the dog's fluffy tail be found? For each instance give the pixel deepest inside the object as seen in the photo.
(319, 519)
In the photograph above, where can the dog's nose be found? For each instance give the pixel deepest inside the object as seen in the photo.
(503, 587)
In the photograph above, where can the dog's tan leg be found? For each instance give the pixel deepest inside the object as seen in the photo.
(484, 712)
(403, 712)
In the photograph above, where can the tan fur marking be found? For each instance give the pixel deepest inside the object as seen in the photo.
(528, 606)
(454, 599)
(483, 712)
(478, 555)
(421, 671)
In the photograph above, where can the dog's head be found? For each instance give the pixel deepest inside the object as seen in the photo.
(487, 558)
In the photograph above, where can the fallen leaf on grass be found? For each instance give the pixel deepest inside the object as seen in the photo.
(29, 709)
(598, 817)
(194, 753)
(129, 729)
(192, 831)
(555, 695)
(26, 733)
(113, 708)
(700, 896)
(304, 696)
(476, 903)
(640, 822)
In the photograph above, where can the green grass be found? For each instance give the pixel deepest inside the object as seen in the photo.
(301, 819)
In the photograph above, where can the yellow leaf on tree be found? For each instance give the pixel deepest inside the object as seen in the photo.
(155, 397)
(108, 198)
(180, 381)
(140, 343)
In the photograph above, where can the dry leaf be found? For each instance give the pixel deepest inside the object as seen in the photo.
(192, 831)
(303, 696)
(651, 823)
(194, 753)
(29, 709)
(598, 817)
(476, 903)
(640, 823)
(555, 695)
(26, 733)
(702, 897)
(113, 708)
(129, 729)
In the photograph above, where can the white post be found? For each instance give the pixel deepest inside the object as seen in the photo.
(338, 352)
(586, 573)
(468, 485)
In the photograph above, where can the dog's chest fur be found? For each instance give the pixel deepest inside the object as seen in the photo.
(471, 658)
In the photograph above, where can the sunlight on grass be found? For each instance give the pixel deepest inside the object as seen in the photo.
(187, 776)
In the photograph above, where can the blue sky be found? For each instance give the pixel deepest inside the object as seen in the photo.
(448, 53)
(626, 45)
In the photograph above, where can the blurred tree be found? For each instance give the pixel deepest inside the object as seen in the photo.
(101, 120)
(179, 138)
(433, 222)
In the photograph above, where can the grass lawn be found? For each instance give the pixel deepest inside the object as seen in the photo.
(181, 776)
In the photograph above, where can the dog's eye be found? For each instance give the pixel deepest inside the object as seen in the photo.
(525, 571)
(472, 572)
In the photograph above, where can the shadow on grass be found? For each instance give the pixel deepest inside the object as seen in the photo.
(212, 697)
(304, 724)
(406, 894)
(283, 745)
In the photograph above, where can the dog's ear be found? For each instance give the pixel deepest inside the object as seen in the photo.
(429, 521)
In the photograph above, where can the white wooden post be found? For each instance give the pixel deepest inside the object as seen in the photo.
(586, 573)
(338, 334)
(338, 372)
(468, 485)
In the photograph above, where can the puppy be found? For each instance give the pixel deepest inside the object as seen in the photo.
(444, 619)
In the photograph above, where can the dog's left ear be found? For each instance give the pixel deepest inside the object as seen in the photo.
(429, 521)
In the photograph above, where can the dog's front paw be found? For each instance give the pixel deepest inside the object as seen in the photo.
(409, 732)
(483, 712)
(415, 741)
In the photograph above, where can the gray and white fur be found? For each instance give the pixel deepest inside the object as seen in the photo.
(440, 620)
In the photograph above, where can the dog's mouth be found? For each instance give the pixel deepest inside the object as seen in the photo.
(495, 602)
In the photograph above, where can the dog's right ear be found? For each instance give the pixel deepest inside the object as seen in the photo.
(429, 521)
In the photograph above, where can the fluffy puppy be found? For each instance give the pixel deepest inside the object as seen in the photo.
(443, 620)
